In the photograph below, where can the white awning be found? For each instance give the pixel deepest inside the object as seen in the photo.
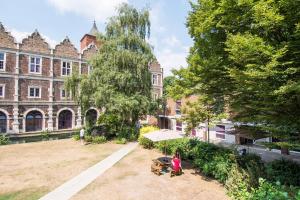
(163, 135)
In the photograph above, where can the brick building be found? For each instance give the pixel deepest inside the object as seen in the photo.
(32, 95)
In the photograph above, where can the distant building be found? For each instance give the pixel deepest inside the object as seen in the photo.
(32, 94)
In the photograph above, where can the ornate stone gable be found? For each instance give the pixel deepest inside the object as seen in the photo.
(155, 66)
(35, 43)
(89, 52)
(66, 49)
(6, 40)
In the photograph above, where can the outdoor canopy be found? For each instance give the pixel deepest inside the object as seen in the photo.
(163, 135)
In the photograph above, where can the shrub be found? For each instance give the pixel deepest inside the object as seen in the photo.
(76, 137)
(285, 171)
(88, 138)
(4, 140)
(45, 135)
(171, 146)
(145, 142)
(273, 191)
(121, 141)
(148, 129)
(98, 140)
(238, 183)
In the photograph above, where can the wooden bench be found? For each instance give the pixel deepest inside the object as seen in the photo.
(156, 167)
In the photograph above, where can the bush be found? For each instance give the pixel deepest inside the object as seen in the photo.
(45, 135)
(285, 171)
(121, 141)
(88, 138)
(145, 142)
(240, 174)
(76, 137)
(148, 129)
(273, 191)
(98, 140)
(4, 140)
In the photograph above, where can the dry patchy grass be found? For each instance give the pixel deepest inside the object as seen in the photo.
(30, 170)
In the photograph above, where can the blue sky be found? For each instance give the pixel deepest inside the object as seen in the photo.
(56, 19)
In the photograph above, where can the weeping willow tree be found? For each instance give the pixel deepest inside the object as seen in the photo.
(120, 82)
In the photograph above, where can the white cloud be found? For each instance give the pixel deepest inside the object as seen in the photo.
(171, 60)
(155, 18)
(99, 10)
(20, 35)
(172, 41)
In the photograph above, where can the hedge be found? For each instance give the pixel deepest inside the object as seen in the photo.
(245, 177)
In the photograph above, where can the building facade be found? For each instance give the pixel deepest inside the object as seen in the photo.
(32, 94)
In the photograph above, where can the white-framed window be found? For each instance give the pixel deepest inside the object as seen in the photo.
(2, 90)
(178, 107)
(35, 65)
(2, 61)
(66, 68)
(64, 94)
(34, 92)
(90, 69)
(154, 79)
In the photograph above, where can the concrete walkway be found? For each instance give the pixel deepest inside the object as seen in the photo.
(73, 186)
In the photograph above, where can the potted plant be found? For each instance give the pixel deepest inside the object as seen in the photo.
(284, 146)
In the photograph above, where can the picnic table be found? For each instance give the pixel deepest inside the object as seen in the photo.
(160, 164)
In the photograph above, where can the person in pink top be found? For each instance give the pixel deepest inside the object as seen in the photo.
(176, 165)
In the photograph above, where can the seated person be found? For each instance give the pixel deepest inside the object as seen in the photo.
(176, 166)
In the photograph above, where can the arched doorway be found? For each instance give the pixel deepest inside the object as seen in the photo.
(3, 122)
(65, 119)
(91, 117)
(34, 121)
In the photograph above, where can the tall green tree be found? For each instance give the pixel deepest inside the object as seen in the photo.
(120, 82)
(245, 58)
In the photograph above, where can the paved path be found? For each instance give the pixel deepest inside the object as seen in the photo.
(71, 187)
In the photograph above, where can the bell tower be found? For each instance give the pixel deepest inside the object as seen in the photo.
(90, 37)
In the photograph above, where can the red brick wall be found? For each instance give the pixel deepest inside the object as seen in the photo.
(46, 66)
(10, 62)
(23, 64)
(66, 49)
(172, 104)
(56, 67)
(86, 40)
(6, 40)
(57, 86)
(35, 43)
(84, 68)
(23, 89)
(9, 88)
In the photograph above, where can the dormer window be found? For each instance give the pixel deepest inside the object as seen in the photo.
(66, 68)
(35, 65)
(2, 61)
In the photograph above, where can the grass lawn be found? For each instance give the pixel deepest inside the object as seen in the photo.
(131, 179)
(28, 171)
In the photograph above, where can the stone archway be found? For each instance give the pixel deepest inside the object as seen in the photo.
(91, 116)
(65, 119)
(34, 121)
(3, 122)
